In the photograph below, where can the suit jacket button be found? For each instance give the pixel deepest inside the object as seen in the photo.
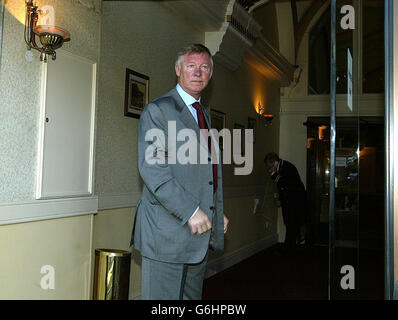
(209, 159)
(210, 182)
(211, 208)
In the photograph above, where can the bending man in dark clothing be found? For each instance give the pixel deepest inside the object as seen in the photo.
(292, 196)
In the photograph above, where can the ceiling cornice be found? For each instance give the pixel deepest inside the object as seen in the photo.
(231, 33)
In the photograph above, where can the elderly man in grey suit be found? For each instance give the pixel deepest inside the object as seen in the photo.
(180, 213)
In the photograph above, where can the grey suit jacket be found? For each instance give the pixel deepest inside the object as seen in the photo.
(172, 192)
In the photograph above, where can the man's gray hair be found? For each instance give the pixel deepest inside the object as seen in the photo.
(191, 49)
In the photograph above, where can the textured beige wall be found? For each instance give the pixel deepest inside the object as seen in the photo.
(20, 89)
(64, 244)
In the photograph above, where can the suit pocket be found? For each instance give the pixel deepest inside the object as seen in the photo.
(162, 219)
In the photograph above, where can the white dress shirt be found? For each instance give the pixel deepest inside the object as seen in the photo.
(189, 100)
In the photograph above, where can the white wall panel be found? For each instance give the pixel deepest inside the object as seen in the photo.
(66, 127)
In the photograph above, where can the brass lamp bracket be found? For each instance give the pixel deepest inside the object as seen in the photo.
(51, 37)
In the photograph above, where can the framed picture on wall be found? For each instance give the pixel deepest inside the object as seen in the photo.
(218, 123)
(242, 137)
(136, 93)
(251, 124)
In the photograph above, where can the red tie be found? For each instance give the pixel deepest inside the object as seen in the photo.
(203, 125)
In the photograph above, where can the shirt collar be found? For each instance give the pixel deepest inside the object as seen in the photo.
(187, 98)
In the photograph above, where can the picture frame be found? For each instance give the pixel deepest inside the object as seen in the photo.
(218, 122)
(136, 93)
(251, 124)
(242, 136)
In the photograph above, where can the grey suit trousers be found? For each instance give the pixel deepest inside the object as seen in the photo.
(172, 281)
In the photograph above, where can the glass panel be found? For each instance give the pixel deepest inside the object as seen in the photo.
(344, 173)
(371, 208)
(357, 161)
(373, 46)
(390, 19)
(319, 54)
(318, 175)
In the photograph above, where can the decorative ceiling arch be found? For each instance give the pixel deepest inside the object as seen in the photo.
(300, 25)
(231, 34)
(305, 21)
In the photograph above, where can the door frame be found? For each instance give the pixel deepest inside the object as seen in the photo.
(391, 83)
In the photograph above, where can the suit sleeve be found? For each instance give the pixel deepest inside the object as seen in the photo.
(154, 169)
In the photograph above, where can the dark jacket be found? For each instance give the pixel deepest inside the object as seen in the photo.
(292, 194)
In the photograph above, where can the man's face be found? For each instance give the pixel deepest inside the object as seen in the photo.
(271, 166)
(195, 73)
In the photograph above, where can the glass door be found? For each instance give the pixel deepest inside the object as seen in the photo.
(344, 149)
(357, 147)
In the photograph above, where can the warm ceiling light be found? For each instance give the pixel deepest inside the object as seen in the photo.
(51, 37)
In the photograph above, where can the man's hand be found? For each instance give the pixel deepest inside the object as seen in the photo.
(226, 221)
(199, 223)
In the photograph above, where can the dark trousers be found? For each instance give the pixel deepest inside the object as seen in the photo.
(292, 235)
(291, 219)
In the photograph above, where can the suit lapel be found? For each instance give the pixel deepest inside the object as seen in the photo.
(213, 138)
(207, 117)
(186, 116)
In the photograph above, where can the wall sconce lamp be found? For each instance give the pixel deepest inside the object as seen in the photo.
(268, 117)
(51, 37)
